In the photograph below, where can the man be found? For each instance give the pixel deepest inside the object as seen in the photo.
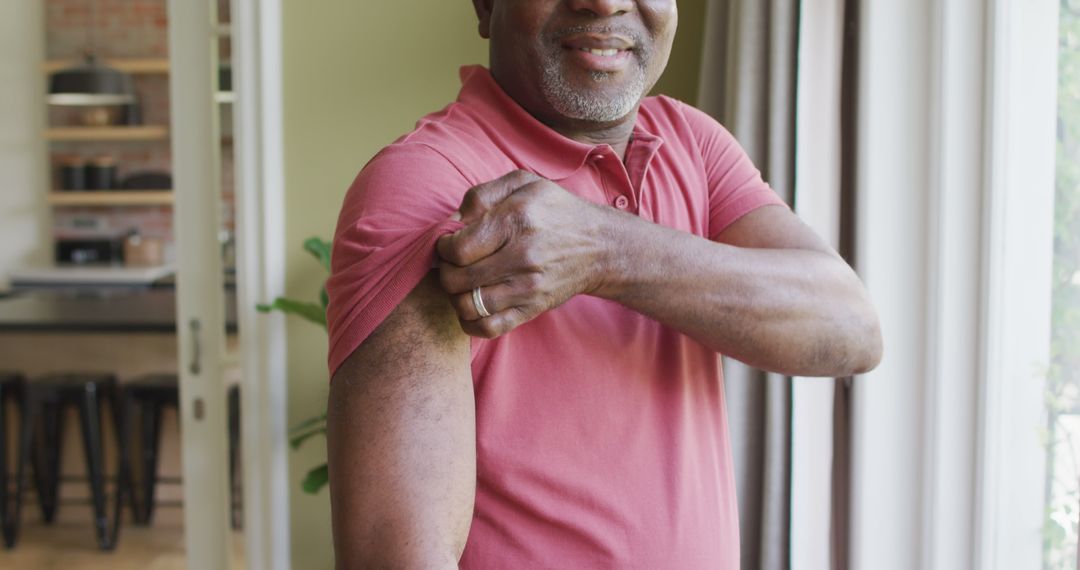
(549, 395)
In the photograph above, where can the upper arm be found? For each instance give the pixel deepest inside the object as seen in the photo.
(734, 185)
(744, 211)
(773, 227)
(401, 439)
(392, 215)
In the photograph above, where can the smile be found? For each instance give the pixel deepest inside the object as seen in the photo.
(601, 52)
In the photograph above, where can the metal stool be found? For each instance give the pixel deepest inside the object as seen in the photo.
(144, 399)
(235, 481)
(11, 389)
(45, 399)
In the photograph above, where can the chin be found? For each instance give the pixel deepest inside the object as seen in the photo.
(598, 97)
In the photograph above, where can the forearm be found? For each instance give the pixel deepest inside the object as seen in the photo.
(775, 296)
(794, 311)
(401, 441)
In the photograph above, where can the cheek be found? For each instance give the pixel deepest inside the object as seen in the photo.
(662, 18)
(518, 34)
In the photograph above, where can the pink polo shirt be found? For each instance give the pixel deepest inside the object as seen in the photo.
(601, 434)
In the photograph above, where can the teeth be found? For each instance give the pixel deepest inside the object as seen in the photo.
(601, 52)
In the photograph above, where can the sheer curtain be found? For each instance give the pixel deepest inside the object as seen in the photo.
(750, 82)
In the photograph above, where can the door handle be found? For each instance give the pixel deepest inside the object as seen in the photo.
(196, 351)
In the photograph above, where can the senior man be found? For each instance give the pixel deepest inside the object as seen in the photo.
(529, 296)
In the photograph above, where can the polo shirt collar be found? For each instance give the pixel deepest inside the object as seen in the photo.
(525, 139)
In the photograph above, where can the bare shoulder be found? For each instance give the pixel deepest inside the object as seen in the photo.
(420, 335)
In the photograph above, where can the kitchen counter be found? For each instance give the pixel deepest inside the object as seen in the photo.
(126, 331)
(97, 310)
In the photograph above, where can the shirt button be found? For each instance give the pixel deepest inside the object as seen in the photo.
(622, 202)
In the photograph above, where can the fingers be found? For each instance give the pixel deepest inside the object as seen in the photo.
(479, 199)
(474, 242)
(488, 271)
(509, 305)
(496, 325)
(481, 235)
(496, 299)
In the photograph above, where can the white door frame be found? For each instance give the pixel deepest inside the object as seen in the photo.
(200, 308)
(260, 236)
(258, 144)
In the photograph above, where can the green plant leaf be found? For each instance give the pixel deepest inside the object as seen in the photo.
(320, 248)
(316, 479)
(297, 440)
(304, 425)
(312, 312)
(324, 297)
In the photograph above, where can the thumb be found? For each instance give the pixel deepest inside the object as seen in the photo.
(479, 199)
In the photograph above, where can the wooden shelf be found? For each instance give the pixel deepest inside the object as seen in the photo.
(112, 198)
(133, 66)
(141, 133)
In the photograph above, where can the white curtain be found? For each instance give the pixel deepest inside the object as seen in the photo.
(772, 73)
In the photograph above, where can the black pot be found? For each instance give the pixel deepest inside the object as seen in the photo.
(72, 174)
(101, 174)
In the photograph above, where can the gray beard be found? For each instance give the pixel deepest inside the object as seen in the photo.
(586, 105)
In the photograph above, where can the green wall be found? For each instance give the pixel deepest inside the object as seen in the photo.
(357, 75)
(680, 79)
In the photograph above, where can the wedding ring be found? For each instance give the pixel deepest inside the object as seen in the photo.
(478, 302)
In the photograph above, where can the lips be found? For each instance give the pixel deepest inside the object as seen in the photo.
(599, 52)
(597, 44)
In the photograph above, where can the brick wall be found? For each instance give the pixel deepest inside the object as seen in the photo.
(114, 28)
(123, 29)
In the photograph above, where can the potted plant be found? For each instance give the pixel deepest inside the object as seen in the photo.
(314, 312)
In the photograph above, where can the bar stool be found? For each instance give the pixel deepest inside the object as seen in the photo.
(45, 399)
(144, 399)
(11, 390)
(235, 478)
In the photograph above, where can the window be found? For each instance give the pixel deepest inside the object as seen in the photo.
(1063, 375)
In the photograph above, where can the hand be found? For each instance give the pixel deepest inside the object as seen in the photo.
(528, 244)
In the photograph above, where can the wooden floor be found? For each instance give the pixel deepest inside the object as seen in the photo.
(70, 546)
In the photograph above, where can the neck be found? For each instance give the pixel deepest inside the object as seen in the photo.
(616, 134)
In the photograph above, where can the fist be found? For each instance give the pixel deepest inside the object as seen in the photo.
(528, 245)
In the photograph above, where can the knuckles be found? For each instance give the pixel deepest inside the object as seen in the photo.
(452, 279)
(472, 202)
(453, 254)
(484, 328)
(482, 198)
(531, 282)
(526, 210)
(523, 177)
(488, 329)
(460, 304)
(529, 267)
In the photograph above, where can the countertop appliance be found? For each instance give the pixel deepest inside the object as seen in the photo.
(90, 250)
